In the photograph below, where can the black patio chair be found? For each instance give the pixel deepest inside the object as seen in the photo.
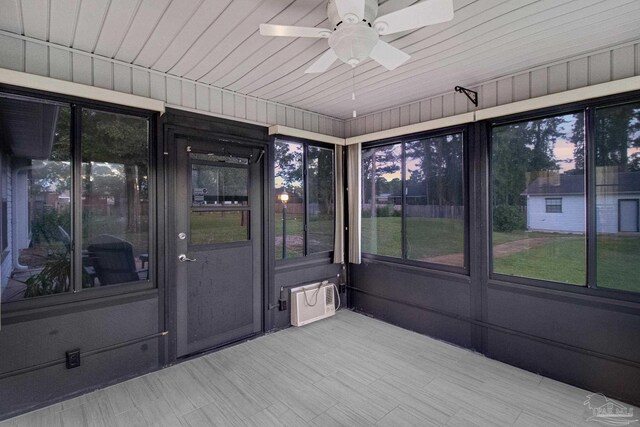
(113, 260)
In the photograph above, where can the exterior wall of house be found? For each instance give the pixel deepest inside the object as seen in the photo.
(608, 211)
(570, 220)
(599, 67)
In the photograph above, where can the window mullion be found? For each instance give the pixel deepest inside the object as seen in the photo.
(590, 199)
(76, 199)
(403, 201)
(305, 186)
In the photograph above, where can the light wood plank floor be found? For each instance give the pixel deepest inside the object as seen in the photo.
(349, 370)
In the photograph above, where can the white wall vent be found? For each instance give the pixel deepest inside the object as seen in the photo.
(312, 302)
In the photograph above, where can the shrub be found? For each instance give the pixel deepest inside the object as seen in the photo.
(507, 218)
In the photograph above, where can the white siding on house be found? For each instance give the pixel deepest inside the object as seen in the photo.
(571, 220)
(607, 211)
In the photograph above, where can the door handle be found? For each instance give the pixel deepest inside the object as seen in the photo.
(184, 258)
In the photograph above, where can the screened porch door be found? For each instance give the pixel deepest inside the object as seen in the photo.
(219, 244)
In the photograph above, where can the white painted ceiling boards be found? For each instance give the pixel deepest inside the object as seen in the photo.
(217, 42)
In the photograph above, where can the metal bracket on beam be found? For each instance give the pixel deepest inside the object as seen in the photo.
(471, 94)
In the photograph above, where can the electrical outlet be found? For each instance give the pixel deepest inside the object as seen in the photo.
(73, 358)
(342, 288)
(282, 305)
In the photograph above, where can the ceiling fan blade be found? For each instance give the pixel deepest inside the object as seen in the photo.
(388, 56)
(421, 14)
(351, 11)
(323, 63)
(292, 31)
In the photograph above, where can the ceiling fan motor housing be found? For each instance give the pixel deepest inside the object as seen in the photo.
(370, 13)
(353, 43)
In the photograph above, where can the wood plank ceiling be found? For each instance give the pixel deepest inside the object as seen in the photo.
(217, 42)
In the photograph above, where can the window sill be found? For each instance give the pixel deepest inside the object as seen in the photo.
(443, 269)
(564, 290)
(52, 305)
(304, 262)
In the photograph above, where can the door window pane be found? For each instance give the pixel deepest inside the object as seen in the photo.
(435, 200)
(618, 196)
(532, 162)
(36, 203)
(321, 199)
(289, 203)
(212, 227)
(382, 200)
(219, 186)
(115, 198)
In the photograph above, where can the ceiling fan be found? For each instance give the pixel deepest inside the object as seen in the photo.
(357, 30)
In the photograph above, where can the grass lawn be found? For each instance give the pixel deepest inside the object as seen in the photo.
(320, 234)
(561, 259)
(218, 227)
(426, 237)
(618, 258)
(558, 258)
(295, 233)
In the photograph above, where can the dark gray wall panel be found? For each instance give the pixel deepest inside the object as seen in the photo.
(55, 383)
(403, 296)
(304, 272)
(607, 327)
(590, 372)
(415, 319)
(587, 341)
(46, 339)
(441, 291)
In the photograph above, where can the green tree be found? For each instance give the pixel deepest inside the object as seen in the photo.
(115, 153)
(521, 152)
(436, 178)
(617, 131)
(288, 166)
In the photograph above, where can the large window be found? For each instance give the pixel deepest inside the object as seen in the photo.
(304, 205)
(382, 200)
(617, 180)
(413, 200)
(53, 198)
(115, 197)
(539, 199)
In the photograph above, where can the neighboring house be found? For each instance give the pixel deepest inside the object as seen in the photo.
(556, 203)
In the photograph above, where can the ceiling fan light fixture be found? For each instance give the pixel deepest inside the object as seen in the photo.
(353, 43)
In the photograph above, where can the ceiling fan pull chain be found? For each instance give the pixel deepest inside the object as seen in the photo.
(353, 92)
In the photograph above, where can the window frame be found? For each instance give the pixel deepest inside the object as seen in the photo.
(588, 108)
(548, 205)
(403, 260)
(306, 143)
(127, 289)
